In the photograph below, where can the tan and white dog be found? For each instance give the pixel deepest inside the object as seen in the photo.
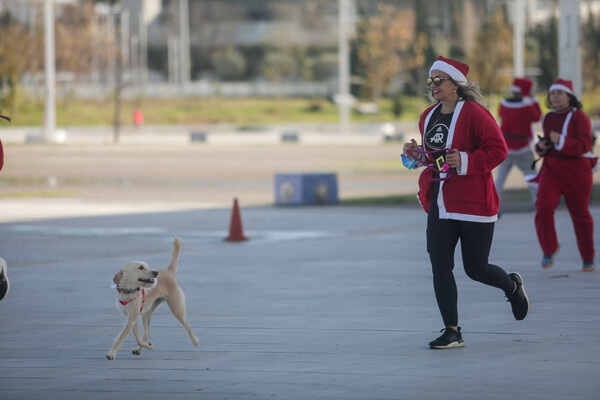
(139, 291)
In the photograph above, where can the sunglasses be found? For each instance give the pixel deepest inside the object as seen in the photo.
(437, 81)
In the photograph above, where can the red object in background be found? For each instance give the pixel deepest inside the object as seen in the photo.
(138, 117)
(236, 231)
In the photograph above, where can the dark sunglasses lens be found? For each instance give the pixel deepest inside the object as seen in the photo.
(436, 81)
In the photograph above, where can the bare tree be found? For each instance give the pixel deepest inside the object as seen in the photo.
(380, 41)
(15, 56)
(492, 56)
(73, 38)
(591, 52)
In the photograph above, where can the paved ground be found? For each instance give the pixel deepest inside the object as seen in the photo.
(327, 302)
(163, 167)
(321, 303)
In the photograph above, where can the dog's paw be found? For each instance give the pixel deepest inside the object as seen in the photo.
(110, 356)
(195, 341)
(137, 351)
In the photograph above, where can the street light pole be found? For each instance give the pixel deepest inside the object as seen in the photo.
(518, 47)
(50, 73)
(184, 44)
(343, 65)
(116, 12)
(569, 46)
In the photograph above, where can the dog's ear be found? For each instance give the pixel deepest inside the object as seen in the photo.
(117, 277)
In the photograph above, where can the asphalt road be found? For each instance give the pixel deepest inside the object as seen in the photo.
(329, 302)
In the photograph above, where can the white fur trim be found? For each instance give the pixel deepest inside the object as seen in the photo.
(558, 86)
(468, 217)
(454, 73)
(565, 129)
(527, 100)
(561, 143)
(530, 179)
(464, 163)
(591, 155)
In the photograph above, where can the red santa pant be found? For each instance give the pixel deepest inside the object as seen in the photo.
(573, 179)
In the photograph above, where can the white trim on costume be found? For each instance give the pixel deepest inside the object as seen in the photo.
(469, 217)
(443, 214)
(452, 71)
(559, 86)
(565, 128)
(525, 102)
(428, 117)
(464, 163)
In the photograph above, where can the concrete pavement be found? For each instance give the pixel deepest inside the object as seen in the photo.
(321, 303)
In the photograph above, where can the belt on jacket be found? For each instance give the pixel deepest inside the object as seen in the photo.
(514, 136)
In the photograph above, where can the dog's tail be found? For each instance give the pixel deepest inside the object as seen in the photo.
(175, 257)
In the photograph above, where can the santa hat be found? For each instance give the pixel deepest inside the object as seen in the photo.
(522, 85)
(562, 84)
(455, 69)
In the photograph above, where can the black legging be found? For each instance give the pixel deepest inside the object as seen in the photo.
(475, 242)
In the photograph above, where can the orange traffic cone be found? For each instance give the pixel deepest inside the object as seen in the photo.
(236, 231)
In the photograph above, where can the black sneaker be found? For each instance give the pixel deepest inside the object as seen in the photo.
(450, 339)
(4, 282)
(518, 299)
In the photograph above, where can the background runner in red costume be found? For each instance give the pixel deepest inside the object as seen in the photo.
(518, 114)
(567, 170)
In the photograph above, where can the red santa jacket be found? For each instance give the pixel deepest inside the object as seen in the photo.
(575, 143)
(469, 195)
(517, 119)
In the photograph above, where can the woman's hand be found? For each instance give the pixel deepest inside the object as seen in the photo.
(554, 137)
(453, 158)
(410, 149)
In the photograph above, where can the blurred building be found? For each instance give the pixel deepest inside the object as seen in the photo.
(257, 26)
(242, 47)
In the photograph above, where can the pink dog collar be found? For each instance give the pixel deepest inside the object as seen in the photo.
(124, 303)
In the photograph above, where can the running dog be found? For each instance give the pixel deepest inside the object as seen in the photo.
(139, 291)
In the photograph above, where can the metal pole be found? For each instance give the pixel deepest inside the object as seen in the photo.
(110, 48)
(518, 49)
(95, 61)
(184, 44)
(50, 72)
(143, 50)
(569, 43)
(173, 56)
(118, 70)
(125, 37)
(343, 66)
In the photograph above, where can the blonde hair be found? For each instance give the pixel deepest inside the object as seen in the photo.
(471, 91)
